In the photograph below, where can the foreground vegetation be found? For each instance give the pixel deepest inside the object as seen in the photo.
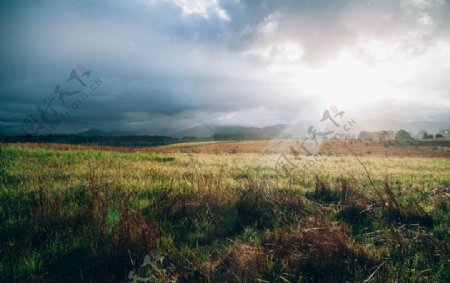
(97, 216)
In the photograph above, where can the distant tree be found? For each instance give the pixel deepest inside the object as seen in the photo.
(383, 135)
(438, 136)
(445, 132)
(402, 135)
(363, 135)
(427, 136)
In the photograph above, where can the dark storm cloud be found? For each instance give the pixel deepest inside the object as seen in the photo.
(163, 61)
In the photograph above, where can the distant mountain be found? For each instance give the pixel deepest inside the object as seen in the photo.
(225, 132)
(196, 131)
(240, 132)
(102, 133)
(297, 130)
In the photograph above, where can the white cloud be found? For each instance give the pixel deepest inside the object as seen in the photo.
(266, 28)
(203, 8)
(279, 57)
(270, 24)
(419, 15)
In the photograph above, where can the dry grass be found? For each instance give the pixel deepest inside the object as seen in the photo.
(418, 148)
(91, 215)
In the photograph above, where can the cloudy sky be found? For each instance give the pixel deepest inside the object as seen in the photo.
(157, 64)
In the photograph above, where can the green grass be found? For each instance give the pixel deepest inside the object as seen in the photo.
(93, 216)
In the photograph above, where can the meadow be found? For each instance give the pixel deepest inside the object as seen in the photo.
(225, 212)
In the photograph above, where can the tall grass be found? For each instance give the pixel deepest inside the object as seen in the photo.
(94, 216)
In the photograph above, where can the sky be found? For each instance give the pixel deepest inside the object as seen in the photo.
(151, 65)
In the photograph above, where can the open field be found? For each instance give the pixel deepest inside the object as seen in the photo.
(416, 148)
(225, 212)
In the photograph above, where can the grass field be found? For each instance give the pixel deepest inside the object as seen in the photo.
(225, 212)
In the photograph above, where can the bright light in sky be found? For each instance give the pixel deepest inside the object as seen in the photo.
(244, 62)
